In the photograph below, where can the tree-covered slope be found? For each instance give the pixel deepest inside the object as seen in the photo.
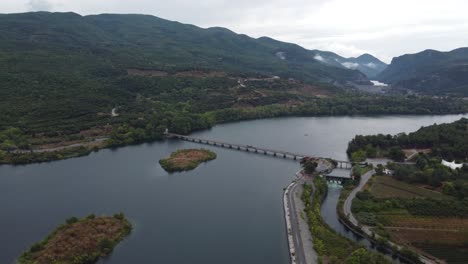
(430, 72)
(58, 65)
(446, 141)
(151, 42)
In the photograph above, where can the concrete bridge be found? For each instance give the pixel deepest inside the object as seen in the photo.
(264, 151)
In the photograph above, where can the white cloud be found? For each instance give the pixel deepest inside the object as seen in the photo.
(371, 65)
(377, 83)
(350, 65)
(320, 58)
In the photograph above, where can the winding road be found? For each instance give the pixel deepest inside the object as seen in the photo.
(348, 202)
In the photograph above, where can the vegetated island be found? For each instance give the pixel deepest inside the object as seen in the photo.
(186, 159)
(79, 241)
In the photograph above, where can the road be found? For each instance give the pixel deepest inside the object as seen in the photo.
(298, 245)
(347, 205)
(299, 236)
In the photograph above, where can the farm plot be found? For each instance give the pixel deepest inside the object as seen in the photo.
(387, 187)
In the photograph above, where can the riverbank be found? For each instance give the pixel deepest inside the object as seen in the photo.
(121, 133)
(330, 245)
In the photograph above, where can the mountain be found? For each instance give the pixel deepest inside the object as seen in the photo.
(430, 72)
(366, 63)
(141, 41)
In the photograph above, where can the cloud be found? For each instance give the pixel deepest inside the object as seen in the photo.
(319, 58)
(371, 65)
(39, 5)
(350, 65)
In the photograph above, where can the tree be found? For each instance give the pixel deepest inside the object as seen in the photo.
(8, 146)
(396, 154)
(309, 166)
(358, 156)
(379, 169)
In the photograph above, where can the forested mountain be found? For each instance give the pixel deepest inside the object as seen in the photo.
(430, 72)
(129, 41)
(366, 63)
(68, 79)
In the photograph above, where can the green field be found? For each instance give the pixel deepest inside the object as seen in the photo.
(453, 255)
(388, 187)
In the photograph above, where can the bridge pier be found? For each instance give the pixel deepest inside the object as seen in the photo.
(274, 154)
(295, 157)
(230, 146)
(264, 152)
(284, 156)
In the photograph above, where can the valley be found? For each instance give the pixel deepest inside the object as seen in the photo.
(92, 107)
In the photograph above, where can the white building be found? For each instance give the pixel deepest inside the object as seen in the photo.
(452, 164)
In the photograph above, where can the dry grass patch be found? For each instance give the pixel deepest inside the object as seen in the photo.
(440, 223)
(186, 159)
(79, 241)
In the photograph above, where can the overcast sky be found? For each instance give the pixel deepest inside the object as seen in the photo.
(384, 28)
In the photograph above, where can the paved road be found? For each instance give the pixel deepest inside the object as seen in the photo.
(347, 205)
(300, 256)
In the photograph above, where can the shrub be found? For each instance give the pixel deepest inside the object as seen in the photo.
(72, 220)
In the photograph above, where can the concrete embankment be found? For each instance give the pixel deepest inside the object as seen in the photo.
(301, 248)
(287, 218)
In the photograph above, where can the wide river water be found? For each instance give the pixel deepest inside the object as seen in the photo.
(226, 211)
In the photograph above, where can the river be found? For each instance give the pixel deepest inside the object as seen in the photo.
(228, 210)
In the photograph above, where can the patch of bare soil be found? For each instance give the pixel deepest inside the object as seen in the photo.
(311, 91)
(200, 74)
(147, 73)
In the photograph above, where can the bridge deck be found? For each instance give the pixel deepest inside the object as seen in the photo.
(252, 148)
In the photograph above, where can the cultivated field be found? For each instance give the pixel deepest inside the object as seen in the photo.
(387, 187)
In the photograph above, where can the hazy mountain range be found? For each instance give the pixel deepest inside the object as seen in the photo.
(366, 63)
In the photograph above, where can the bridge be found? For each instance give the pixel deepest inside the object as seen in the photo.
(258, 150)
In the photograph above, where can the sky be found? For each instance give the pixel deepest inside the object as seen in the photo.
(383, 28)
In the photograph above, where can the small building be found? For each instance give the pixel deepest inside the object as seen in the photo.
(452, 165)
(388, 172)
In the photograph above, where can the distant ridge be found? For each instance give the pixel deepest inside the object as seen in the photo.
(131, 41)
(430, 72)
(366, 63)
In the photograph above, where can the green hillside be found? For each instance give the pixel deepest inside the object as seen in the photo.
(430, 72)
(67, 79)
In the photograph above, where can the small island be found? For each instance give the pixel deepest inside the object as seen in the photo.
(79, 241)
(186, 159)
